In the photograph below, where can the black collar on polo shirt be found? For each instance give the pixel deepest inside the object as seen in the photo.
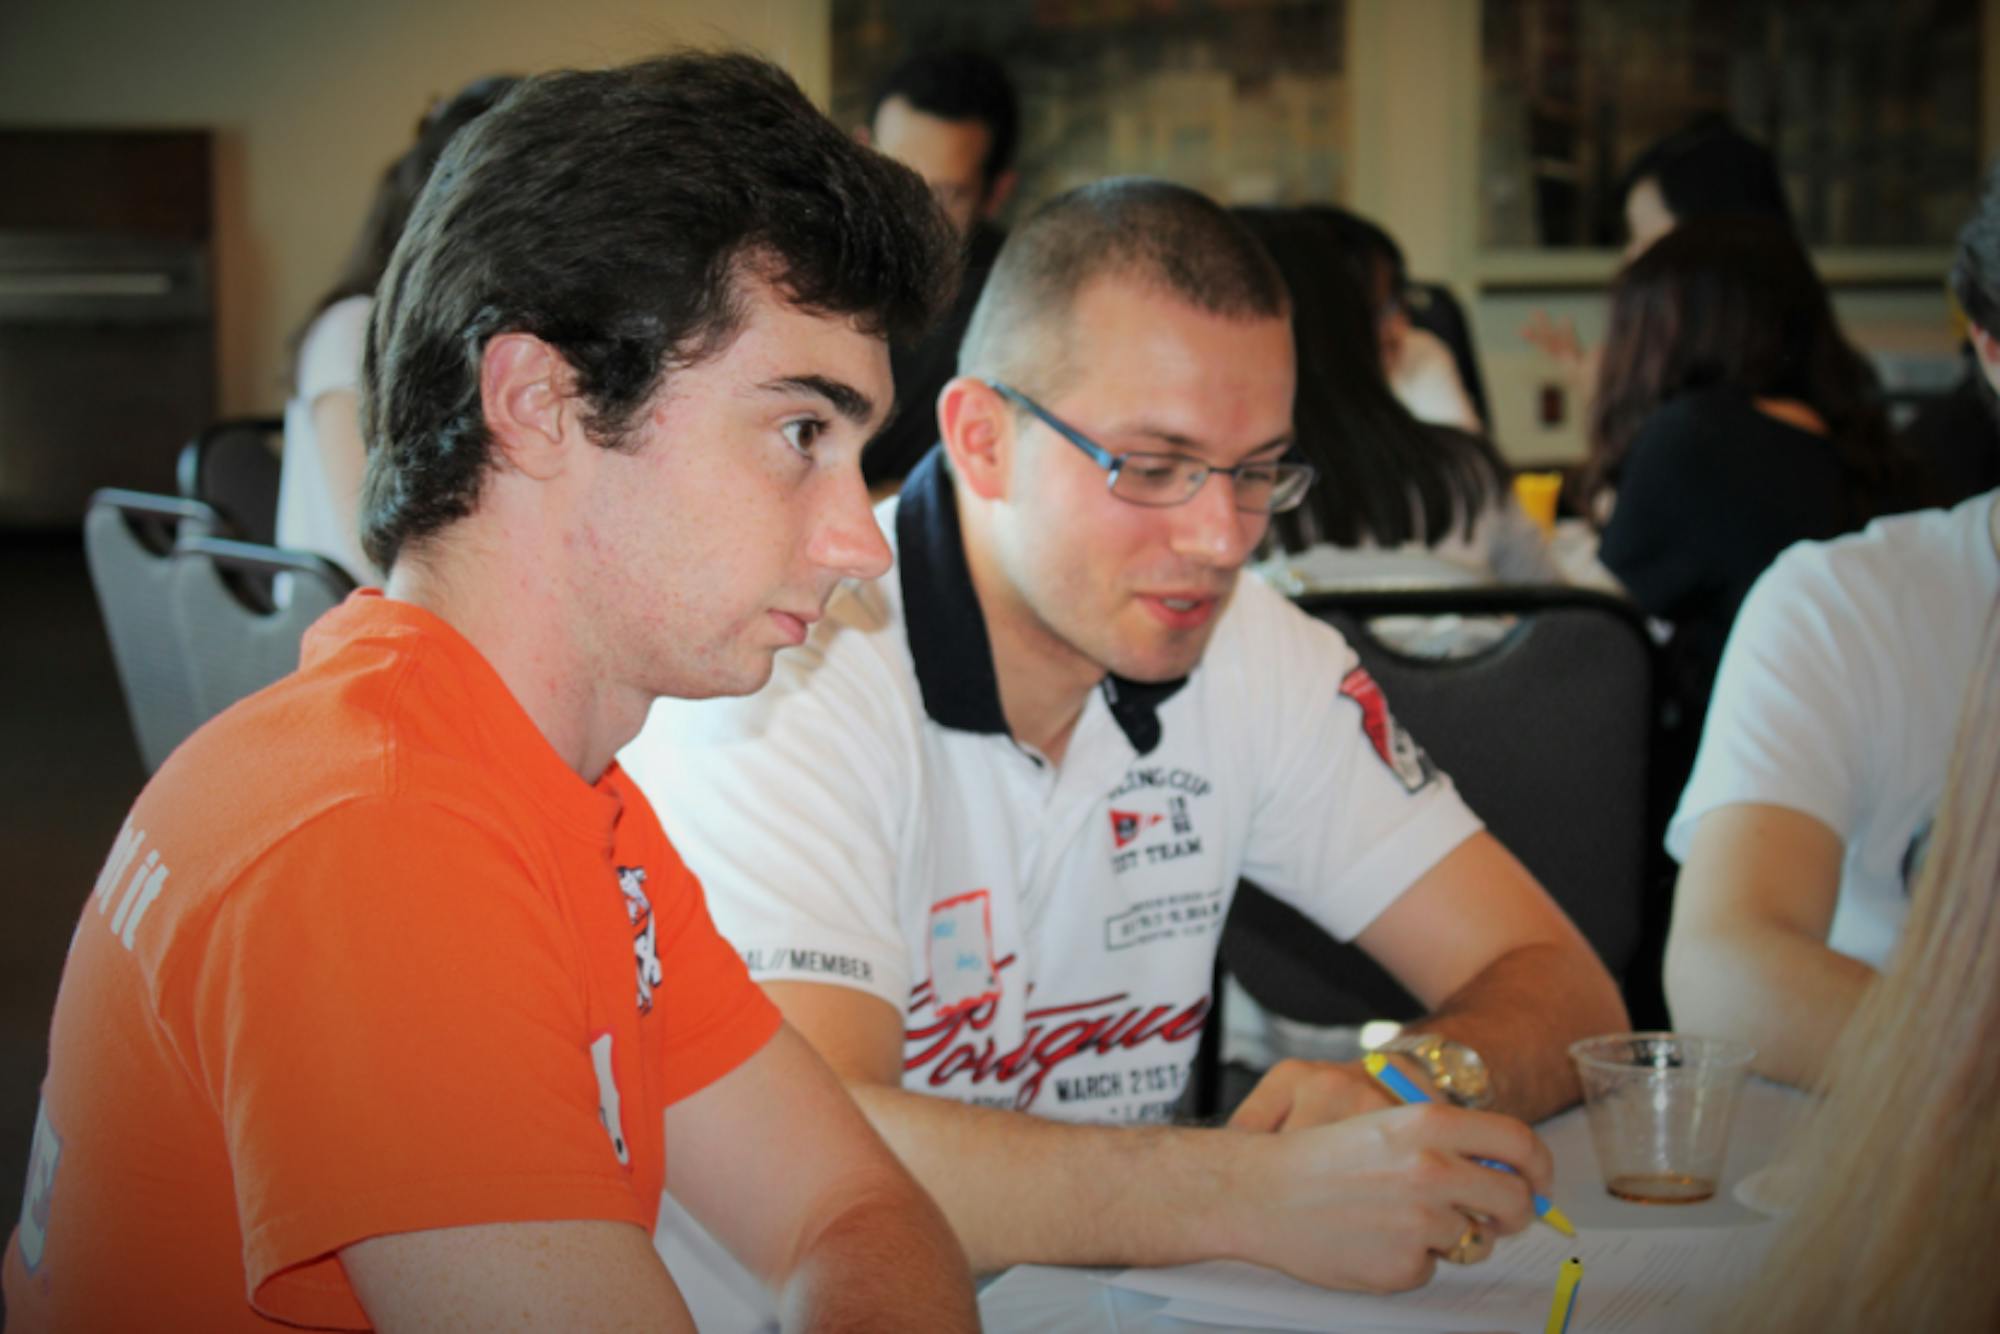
(947, 632)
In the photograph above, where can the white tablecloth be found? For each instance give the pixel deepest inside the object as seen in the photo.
(1049, 1300)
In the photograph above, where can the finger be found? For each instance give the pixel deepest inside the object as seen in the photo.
(1473, 1242)
(1501, 1197)
(1333, 1093)
(1271, 1101)
(1485, 1135)
(1479, 1246)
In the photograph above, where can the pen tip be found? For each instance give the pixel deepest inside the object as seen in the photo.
(1555, 1219)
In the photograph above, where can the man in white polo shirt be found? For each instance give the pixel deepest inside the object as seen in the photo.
(978, 838)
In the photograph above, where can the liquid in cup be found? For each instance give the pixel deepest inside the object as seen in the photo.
(1659, 1106)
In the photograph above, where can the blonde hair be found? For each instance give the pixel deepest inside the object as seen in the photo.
(1894, 1228)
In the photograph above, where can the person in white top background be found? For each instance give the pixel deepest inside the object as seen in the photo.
(1809, 809)
(978, 838)
(319, 484)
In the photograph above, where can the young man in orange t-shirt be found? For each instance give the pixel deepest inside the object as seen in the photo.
(392, 1004)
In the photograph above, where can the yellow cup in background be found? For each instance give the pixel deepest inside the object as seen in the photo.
(1538, 492)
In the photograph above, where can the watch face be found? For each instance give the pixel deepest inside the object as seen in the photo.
(1456, 1069)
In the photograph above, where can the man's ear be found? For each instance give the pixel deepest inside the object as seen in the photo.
(1986, 345)
(1986, 348)
(1001, 191)
(978, 432)
(526, 388)
(864, 136)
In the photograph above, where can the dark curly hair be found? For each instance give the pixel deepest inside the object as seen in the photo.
(615, 214)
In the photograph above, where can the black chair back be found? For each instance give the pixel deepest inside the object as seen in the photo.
(128, 541)
(232, 467)
(236, 635)
(1547, 736)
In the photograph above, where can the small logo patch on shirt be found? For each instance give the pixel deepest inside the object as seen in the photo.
(38, 1201)
(1128, 825)
(1395, 747)
(645, 945)
(963, 974)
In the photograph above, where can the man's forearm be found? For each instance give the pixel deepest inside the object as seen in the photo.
(1785, 995)
(1521, 1013)
(1019, 1189)
(888, 1261)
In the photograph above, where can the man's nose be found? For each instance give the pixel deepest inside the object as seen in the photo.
(846, 539)
(1210, 529)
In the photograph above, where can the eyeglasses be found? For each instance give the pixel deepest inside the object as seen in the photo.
(1161, 480)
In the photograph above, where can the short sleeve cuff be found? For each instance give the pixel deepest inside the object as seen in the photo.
(1353, 902)
(846, 961)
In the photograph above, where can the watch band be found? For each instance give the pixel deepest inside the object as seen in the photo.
(1457, 1071)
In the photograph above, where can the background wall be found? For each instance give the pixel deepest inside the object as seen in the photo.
(309, 99)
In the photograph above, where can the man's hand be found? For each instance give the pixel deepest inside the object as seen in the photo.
(1294, 1094)
(1373, 1202)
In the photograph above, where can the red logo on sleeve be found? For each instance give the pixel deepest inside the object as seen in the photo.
(1396, 748)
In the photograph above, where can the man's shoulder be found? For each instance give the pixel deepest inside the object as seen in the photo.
(1890, 562)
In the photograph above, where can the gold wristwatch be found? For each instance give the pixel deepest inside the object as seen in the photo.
(1456, 1070)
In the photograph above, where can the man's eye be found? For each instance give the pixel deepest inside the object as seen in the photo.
(1258, 474)
(1144, 468)
(804, 433)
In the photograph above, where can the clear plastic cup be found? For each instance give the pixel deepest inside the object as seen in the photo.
(1659, 1106)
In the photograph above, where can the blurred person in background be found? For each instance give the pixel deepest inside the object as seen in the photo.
(1708, 168)
(952, 117)
(1432, 377)
(319, 485)
(1399, 499)
(1731, 419)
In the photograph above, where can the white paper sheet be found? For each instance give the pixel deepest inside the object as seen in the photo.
(1635, 1281)
(1229, 1319)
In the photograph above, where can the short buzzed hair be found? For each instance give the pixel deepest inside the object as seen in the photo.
(1150, 231)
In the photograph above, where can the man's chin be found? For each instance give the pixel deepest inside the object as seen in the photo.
(1160, 664)
(747, 679)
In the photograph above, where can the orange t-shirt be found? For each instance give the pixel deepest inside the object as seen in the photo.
(366, 958)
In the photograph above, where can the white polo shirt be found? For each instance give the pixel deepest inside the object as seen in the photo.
(1839, 696)
(1049, 931)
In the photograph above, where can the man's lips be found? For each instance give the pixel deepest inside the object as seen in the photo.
(1181, 609)
(794, 624)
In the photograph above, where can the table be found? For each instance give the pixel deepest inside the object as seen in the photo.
(1052, 1300)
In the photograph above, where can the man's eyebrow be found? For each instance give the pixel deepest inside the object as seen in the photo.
(848, 401)
(1183, 444)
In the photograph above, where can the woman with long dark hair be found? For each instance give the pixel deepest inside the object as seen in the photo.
(1436, 496)
(319, 487)
(1732, 419)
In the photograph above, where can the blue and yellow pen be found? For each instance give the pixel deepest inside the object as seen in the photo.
(1406, 1090)
(1567, 1279)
